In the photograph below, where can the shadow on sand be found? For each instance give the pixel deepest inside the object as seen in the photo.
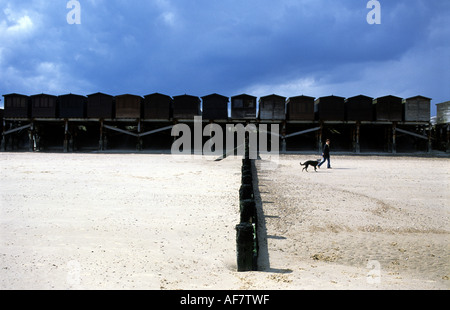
(263, 263)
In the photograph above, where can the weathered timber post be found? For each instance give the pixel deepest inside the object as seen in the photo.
(246, 178)
(394, 134)
(357, 145)
(319, 138)
(430, 144)
(244, 246)
(246, 230)
(31, 138)
(448, 139)
(3, 144)
(72, 138)
(283, 138)
(247, 208)
(246, 191)
(66, 136)
(100, 142)
(139, 145)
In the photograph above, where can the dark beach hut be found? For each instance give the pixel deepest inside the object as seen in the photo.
(215, 107)
(100, 105)
(330, 108)
(272, 107)
(186, 107)
(157, 106)
(388, 108)
(417, 109)
(44, 105)
(128, 106)
(16, 106)
(72, 106)
(359, 108)
(443, 113)
(243, 107)
(300, 108)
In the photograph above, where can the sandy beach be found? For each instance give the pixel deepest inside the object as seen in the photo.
(149, 221)
(368, 223)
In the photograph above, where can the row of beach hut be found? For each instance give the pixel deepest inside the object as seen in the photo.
(215, 107)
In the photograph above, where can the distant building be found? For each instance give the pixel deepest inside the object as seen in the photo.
(417, 109)
(128, 106)
(157, 106)
(359, 108)
(186, 107)
(243, 107)
(330, 108)
(215, 107)
(443, 113)
(388, 108)
(43, 105)
(100, 105)
(300, 108)
(272, 107)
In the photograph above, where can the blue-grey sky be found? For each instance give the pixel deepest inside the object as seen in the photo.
(199, 47)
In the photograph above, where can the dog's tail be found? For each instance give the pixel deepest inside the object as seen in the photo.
(302, 164)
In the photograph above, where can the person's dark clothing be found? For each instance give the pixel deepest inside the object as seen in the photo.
(326, 156)
(326, 150)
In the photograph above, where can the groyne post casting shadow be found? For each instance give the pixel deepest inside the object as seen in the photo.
(263, 263)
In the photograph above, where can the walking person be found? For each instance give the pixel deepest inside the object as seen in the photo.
(326, 154)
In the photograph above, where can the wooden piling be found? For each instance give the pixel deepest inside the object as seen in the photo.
(244, 246)
(246, 191)
(357, 145)
(394, 146)
(100, 142)
(248, 210)
(66, 136)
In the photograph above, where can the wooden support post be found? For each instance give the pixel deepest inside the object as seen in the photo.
(139, 139)
(246, 192)
(353, 137)
(100, 141)
(448, 139)
(66, 136)
(430, 144)
(244, 247)
(394, 146)
(37, 139)
(210, 147)
(247, 210)
(71, 140)
(105, 142)
(31, 138)
(283, 145)
(357, 145)
(174, 138)
(3, 144)
(319, 138)
(9, 139)
(283, 138)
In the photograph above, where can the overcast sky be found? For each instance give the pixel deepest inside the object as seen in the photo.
(198, 47)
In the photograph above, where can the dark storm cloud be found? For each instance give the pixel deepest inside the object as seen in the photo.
(205, 46)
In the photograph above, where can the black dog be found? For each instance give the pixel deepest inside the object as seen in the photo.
(308, 163)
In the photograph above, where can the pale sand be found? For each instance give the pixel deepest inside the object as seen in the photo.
(368, 223)
(142, 221)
